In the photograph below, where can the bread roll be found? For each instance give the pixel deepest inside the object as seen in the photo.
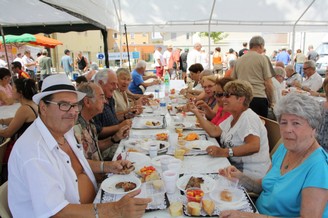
(194, 208)
(176, 209)
(226, 196)
(208, 206)
(158, 184)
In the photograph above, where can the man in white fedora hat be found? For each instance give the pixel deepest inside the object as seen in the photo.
(48, 173)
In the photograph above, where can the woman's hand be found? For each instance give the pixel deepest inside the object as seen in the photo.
(216, 151)
(202, 104)
(120, 167)
(192, 107)
(230, 172)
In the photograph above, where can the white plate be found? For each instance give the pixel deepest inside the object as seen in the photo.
(183, 125)
(137, 158)
(108, 185)
(155, 121)
(146, 146)
(207, 186)
(156, 161)
(237, 195)
(148, 110)
(198, 145)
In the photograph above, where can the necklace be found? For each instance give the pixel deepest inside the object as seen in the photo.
(299, 160)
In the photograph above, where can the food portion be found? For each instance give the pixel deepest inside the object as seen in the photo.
(162, 136)
(172, 91)
(192, 136)
(148, 173)
(194, 208)
(158, 184)
(181, 125)
(127, 170)
(208, 206)
(126, 186)
(153, 123)
(226, 195)
(194, 194)
(176, 209)
(194, 182)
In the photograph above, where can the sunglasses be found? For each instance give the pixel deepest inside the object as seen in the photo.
(224, 94)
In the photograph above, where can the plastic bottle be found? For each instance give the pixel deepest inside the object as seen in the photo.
(167, 79)
(162, 105)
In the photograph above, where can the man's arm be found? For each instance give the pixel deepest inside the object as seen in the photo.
(269, 91)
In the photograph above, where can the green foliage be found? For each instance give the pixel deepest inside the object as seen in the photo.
(216, 36)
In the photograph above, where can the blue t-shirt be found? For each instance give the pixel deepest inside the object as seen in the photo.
(66, 63)
(282, 194)
(137, 80)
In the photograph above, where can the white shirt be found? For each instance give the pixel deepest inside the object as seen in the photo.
(167, 54)
(41, 179)
(158, 55)
(257, 164)
(20, 60)
(278, 87)
(27, 60)
(314, 82)
(3, 63)
(193, 58)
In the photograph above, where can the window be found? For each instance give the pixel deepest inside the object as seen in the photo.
(115, 36)
(187, 35)
(174, 36)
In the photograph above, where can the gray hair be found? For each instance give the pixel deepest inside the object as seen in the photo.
(102, 75)
(241, 88)
(123, 71)
(289, 67)
(256, 41)
(206, 73)
(310, 63)
(88, 89)
(302, 106)
(141, 64)
(44, 52)
(94, 66)
(279, 71)
(232, 63)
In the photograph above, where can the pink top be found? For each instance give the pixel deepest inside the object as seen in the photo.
(8, 90)
(219, 118)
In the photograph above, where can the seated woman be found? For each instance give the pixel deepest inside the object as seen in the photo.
(297, 183)
(195, 87)
(323, 128)
(243, 137)
(124, 107)
(6, 91)
(215, 117)
(23, 91)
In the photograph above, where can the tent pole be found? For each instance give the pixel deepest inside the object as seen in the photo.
(294, 27)
(118, 15)
(209, 35)
(104, 33)
(6, 52)
(127, 46)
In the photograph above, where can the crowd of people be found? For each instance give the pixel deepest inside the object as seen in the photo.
(67, 135)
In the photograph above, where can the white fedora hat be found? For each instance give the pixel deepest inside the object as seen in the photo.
(54, 84)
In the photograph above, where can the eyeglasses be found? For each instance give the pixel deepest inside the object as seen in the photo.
(65, 106)
(224, 94)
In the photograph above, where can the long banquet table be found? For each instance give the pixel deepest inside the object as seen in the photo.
(201, 164)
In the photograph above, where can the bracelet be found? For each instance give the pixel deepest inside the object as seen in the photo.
(95, 209)
(102, 166)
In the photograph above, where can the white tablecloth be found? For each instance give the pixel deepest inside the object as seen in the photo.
(8, 111)
(191, 164)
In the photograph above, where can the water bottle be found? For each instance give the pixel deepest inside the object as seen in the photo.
(167, 79)
(162, 105)
(156, 92)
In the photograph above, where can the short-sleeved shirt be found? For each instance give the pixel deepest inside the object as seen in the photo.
(41, 178)
(313, 82)
(295, 77)
(219, 118)
(107, 117)
(282, 194)
(66, 63)
(137, 80)
(255, 165)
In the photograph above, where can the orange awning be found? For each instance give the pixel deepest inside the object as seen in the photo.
(45, 41)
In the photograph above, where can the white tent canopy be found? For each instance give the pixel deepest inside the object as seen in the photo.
(195, 15)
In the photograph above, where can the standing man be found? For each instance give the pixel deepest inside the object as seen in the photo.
(159, 62)
(254, 68)
(138, 78)
(81, 62)
(29, 64)
(283, 56)
(312, 54)
(48, 173)
(19, 59)
(67, 63)
(45, 65)
(183, 62)
(167, 59)
(194, 57)
(244, 50)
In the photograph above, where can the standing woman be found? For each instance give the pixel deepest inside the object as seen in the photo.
(217, 61)
(23, 91)
(6, 91)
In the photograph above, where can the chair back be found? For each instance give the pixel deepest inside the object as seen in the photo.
(4, 208)
(3, 148)
(273, 131)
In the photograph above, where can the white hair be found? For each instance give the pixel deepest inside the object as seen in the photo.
(141, 64)
(102, 75)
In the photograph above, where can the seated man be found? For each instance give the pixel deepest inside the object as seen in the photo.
(107, 123)
(313, 80)
(48, 173)
(16, 67)
(292, 76)
(138, 78)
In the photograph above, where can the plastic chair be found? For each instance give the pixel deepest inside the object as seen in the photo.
(273, 131)
(3, 147)
(4, 208)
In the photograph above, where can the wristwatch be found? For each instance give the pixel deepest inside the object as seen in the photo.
(230, 152)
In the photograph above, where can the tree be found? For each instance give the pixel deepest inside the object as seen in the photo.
(216, 36)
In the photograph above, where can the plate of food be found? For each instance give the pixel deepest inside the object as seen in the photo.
(148, 110)
(121, 184)
(161, 145)
(191, 136)
(183, 125)
(206, 183)
(198, 145)
(153, 123)
(163, 136)
(227, 195)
